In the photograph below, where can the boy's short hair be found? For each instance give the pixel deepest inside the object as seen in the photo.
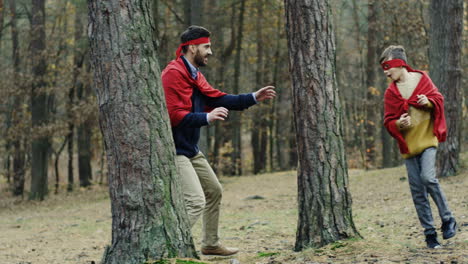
(193, 32)
(394, 52)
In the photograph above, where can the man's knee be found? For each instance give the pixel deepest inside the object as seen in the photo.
(215, 193)
(195, 206)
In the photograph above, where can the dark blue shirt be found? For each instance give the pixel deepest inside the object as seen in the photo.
(187, 133)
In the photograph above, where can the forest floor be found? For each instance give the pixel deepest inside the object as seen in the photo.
(75, 227)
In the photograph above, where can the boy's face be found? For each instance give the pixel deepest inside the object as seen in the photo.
(393, 73)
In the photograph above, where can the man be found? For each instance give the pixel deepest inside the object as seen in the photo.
(414, 116)
(187, 94)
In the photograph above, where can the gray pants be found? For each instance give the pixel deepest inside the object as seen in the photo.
(422, 180)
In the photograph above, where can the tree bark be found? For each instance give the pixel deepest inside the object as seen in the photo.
(325, 213)
(236, 122)
(259, 128)
(84, 143)
(18, 142)
(84, 131)
(193, 10)
(39, 109)
(2, 16)
(445, 52)
(372, 95)
(149, 220)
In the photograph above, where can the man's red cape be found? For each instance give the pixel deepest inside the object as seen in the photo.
(396, 105)
(178, 88)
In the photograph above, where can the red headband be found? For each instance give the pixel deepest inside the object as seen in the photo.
(387, 65)
(192, 42)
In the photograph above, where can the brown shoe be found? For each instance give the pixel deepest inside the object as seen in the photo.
(219, 251)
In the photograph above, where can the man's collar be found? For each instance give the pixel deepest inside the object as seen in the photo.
(192, 69)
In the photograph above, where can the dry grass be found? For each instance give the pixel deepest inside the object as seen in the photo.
(75, 228)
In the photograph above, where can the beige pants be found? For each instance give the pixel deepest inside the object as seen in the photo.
(202, 195)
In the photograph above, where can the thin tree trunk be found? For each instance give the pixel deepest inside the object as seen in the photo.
(149, 221)
(193, 10)
(39, 109)
(325, 213)
(84, 131)
(258, 138)
(445, 70)
(84, 142)
(236, 122)
(56, 166)
(372, 94)
(2, 16)
(17, 112)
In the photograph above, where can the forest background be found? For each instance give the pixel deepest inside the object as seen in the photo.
(250, 51)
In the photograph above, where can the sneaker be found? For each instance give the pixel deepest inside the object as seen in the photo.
(219, 251)
(432, 242)
(449, 228)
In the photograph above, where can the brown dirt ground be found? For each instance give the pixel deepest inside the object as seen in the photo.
(75, 228)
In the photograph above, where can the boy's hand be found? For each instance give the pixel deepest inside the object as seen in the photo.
(264, 93)
(404, 121)
(422, 99)
(219, 113)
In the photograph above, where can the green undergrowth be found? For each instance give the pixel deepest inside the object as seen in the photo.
(174, 261)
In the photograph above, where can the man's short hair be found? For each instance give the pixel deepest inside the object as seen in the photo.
(394, 52)
(193, 32)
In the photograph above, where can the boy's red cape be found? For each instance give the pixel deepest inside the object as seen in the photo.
(178, 88)
(396, 105)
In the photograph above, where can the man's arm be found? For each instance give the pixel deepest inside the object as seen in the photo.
(232, 102)
(242, 101)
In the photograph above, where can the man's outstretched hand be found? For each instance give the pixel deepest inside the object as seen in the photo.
(267, 92)
(219, 113)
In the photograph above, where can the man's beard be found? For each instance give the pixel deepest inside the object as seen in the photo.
(199, 59)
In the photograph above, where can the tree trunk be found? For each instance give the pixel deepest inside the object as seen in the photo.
(193, 10)
(2, 16)
(16, 115)
(149, 221)
(259, 128)
(39, 109)
(445, 51)
(325, 213)
(372, 95)
(84, 131)
(236, 122)
(84, 142)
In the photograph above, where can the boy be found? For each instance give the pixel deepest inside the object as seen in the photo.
(414, 116)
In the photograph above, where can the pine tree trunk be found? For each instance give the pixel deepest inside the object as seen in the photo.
(84, 131)
(39, 108)
(445, 52)
(259, 129)
(2, 16)
(235, 117)
(325, 213)
(149, 220)
(16, 111)
(84, 143)
(372, 95)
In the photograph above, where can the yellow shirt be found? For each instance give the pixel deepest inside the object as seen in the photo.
(419, 136)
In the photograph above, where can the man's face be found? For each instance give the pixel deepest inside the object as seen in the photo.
(202, 53)
(394, 73)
